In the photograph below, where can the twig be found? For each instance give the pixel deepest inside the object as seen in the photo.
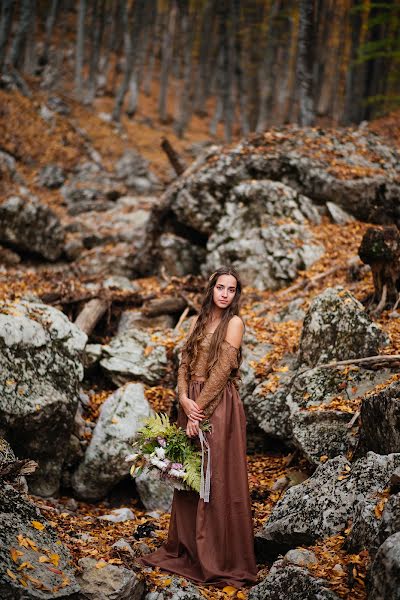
(182, 318)
(173, 157)
(353, 420)
(382, 302)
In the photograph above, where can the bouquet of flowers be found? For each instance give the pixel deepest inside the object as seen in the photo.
(164, 447)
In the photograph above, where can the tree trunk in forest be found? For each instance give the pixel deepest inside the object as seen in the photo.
(50, 21)
(25, 21)
(183, 97)
(305, 62)
(227, 60)
(80, 45)
(7, 11)
(354, 111)
(98, 19)
(202, 83)
(238, 71)
(166, 60)
(133, 28)
(265, 72)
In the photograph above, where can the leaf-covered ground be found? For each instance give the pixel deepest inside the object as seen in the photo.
(34, 144)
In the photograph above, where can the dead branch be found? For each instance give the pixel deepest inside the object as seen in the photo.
(177, 164)
(165, 306)
(91, 314)
(182, 318)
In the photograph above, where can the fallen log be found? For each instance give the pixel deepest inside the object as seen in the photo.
(164, 306)
(91, 314)
(373, 361)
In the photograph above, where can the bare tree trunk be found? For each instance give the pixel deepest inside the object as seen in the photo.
(97, 35)
(132, 45)
(206, 50)
(80, 46)
(154, 49)
(50, 21)
(167, 50)
(7, 11)
(240, 87)
(183, 101)
(265, 72)
(114, 38)
(305, 62)
(25, 21)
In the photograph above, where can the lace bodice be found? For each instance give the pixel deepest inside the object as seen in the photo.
(217, 378)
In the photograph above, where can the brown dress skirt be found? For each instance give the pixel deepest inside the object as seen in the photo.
(212, 543)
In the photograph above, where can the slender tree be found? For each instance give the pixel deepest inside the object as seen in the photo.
(7, 11)
(80, 41)
(305, 62)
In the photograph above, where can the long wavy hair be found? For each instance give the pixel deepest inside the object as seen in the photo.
(198, 333)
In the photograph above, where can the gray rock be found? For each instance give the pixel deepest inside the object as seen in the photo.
(322, 505)
(290, 581)
(123, 546)
(134, 170)
(111, 582)
(179, 256)
(134, 356)
(291, 312)
(31, 226)
(380, 421)
(336, 326)
(247, 235)
(17, 515)
(51, 176)
(131, 320)
(104, 464)
(154, 494)
(269, 409)
(40, 365)
(300, 557)
(338, 215)
(389, 523)
(384, 575)
(119, 515)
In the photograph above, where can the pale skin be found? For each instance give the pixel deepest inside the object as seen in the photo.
(223, 295)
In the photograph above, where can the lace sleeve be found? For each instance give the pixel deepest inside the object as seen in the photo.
(210, 394)
(183, 371)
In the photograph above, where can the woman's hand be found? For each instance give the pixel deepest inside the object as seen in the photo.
(192, 428)
(192, 411)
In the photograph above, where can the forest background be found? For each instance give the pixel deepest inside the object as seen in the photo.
(244, 64)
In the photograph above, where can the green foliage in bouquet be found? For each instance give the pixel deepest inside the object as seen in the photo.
(165, 446)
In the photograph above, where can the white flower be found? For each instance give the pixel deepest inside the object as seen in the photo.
(160, 464)
(160, 452)
(179, 473)
(131, 457)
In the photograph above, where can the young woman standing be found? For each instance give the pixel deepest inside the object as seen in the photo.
(212, 542)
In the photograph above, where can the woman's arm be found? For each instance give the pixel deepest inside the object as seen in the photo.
(219, 374)
(190, 407)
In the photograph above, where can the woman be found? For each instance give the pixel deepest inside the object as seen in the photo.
(212, 542)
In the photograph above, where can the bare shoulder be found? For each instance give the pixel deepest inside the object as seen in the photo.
(234, 333)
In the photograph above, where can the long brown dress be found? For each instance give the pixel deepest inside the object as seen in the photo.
(212, 543)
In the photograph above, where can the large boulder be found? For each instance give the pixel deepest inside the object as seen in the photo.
(111, 582)
(134, 355)
(384, 576)
(154, 493)
(290, 581)
(336, 327)
(40, 371)
(380, 421)
(30, 226)
(175, 588)
(104, 463)
(322, 505)
(134, 171)
(33, 562)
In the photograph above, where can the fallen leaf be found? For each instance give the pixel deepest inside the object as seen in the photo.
(11, 574)
(229, 590)
(15, 554)
(38, 525)
(101, 564)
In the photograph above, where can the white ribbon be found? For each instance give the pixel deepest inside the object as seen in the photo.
(205, 482)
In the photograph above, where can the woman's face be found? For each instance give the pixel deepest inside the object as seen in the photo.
(224, 291)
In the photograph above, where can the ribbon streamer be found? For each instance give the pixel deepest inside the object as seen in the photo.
(205, 482)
